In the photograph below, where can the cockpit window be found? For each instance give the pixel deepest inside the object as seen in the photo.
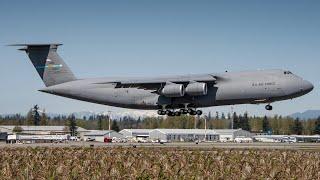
(287, 72)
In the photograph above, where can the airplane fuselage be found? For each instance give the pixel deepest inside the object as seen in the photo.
(248, 87)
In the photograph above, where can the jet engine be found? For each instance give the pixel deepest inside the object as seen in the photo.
(173, 90)
(197, 89)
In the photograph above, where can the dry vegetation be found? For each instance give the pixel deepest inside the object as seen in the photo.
(156, 163)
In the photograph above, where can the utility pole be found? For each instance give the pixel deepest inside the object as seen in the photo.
(205, 129)
(195, 122)
(195, 126)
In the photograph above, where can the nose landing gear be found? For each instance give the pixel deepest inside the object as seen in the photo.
(268, 107)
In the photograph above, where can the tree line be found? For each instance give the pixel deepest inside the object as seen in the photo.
(268, 125)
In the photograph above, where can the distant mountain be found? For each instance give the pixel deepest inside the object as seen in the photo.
(87, 114)
(309, 114)
(114, 115)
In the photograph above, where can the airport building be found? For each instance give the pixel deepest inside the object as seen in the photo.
(136, 133)
(186, 135)
(101, 136)
(223, 135)
(40, 129)
(40, 138)
(287, 138)
(226, 135)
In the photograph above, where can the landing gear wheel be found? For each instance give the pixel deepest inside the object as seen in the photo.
(199, 112)
(268, 107)
(161, 112)
(183, 111)
(171, 114)
(168, 112)
(177, 113)
(189, 111)
(192, 112)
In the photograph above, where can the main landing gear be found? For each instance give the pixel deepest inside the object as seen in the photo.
(268, 107)
(179, 112)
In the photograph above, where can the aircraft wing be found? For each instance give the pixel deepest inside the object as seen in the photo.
(174, 79)
(156, 83)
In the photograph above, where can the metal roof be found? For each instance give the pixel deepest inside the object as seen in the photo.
(40, 128)
(227, 131)
(137, 130)
(285, 136)
(186, 131)
(99, 132)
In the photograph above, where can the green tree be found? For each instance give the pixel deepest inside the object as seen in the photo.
(36, 115)
(72, 125)
(115, 126)
(235, 119)
(317, 126)
(100, 117)
(265, 124)
(17, 129)
(29, 117)
(297, 127)
(43, 119)
(245, 122)
(223, 117)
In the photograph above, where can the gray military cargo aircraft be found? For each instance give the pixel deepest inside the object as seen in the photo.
(170, 95)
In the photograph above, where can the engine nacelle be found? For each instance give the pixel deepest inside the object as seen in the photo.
(197, 89)
(173, 90)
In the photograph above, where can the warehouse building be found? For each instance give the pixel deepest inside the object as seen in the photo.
(186, 135)
(40, 138)
(135, 133)
(102, 136)
(226, 135)
(223, 135)
(287, 138)
(41, 130)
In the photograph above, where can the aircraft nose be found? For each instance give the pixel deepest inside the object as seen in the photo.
(307, 86)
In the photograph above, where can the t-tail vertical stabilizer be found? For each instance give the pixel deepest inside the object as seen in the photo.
(49, 65)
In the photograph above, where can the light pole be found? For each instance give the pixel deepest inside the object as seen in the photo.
(205, 129)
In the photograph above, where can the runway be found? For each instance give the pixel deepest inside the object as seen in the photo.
(201, 145)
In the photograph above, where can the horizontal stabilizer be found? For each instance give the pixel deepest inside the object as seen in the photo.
(26, 46)
(55, 44)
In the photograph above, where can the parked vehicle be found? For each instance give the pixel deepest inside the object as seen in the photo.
(243, 140)
(90, 139)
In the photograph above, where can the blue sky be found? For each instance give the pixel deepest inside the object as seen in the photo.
(149, 38)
